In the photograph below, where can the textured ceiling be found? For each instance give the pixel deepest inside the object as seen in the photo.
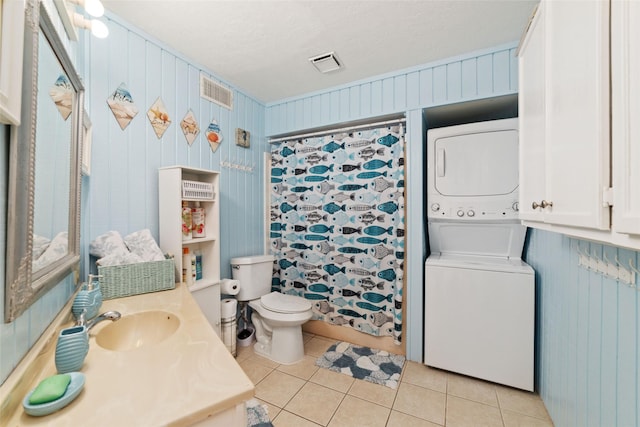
(262, 47)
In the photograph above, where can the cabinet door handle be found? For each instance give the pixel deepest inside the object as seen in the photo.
(535, 205)
(544, 204)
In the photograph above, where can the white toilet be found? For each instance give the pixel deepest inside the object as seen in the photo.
(277, 317)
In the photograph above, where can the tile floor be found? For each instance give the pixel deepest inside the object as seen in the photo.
(304, 395)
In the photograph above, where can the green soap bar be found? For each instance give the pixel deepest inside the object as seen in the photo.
(50, 389)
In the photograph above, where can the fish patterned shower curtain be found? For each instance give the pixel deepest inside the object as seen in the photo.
(337, 226)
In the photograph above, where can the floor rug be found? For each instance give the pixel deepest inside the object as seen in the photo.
(364, 363)
(257, 415)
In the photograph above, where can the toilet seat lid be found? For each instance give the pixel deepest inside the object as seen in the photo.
(281, 303)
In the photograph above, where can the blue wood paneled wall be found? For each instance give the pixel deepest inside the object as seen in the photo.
(588, 343)
(481, 74)
(123, 193)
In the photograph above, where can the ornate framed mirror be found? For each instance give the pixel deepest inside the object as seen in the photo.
(43, 209)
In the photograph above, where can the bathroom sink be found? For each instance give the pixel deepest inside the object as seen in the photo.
(138, 330)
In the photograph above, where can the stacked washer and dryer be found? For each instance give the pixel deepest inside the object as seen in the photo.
(479, 294)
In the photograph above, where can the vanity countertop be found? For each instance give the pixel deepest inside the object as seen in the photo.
(184, 379)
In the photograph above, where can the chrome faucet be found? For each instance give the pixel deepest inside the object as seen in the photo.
(108, 315)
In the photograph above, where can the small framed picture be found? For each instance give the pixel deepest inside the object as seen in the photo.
(243, 138)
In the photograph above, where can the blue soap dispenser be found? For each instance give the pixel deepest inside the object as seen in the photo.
(88, 300)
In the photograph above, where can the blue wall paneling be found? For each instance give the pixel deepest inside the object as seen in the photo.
(587, 348)
(124, 181)
(483, 74)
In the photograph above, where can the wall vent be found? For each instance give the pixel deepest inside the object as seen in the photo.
(215, 92)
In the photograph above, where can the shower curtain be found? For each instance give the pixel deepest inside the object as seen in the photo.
(337, 226)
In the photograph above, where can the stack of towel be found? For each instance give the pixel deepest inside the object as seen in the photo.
(111, 249)
(46, 251)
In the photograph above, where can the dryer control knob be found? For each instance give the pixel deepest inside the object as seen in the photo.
(435, 207)
(471, 213)
(460, 212)
(515, 206)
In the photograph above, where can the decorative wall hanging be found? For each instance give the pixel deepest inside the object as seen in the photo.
(62, 95)
(190, 127)
(159, 117)
(337, 226)
(243, 138)
(87, 133)
(214, 135)
(122, 106)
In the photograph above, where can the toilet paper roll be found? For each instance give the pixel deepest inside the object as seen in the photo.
(228, 308)
(229, 287)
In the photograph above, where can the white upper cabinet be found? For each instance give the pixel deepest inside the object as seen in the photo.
(564, 116)
(625, 84)
(532, 130)
(12, 18)
(577, 112)
(579, 107)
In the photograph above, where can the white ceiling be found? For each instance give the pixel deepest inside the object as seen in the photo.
(262, 46)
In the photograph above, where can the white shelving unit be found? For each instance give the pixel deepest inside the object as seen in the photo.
(170, 200)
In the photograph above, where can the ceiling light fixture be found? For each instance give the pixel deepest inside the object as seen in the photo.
(326, 62)
(93, 7)
(98, 28)
(72, 20)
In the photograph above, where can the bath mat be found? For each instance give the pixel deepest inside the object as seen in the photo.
(364, 363)
(257, 414)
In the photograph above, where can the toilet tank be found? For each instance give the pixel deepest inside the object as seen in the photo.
(254, 274)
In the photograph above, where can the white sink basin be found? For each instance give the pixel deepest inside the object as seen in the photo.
(138, 330)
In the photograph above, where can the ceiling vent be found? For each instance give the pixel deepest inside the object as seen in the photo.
(215, 92)
(326, 62)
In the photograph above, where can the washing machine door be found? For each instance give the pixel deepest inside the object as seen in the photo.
(505, 265)
(491, 239)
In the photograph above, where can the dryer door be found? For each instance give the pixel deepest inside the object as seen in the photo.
(476, 164)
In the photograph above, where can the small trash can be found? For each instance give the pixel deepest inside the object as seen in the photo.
(245, 336)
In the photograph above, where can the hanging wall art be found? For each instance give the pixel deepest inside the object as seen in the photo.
(243, 138)
(190, 127)
(122, 106)
(62, 94)
(159, 117)
(337, 226)
(214, 135)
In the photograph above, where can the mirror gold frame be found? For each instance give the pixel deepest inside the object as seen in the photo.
(23, 286)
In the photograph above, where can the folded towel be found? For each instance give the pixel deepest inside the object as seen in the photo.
(40, 244)
(109, 243)
(58, 248)
(144, 245)
(119, 259)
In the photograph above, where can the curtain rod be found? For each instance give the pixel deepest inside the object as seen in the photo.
(328, 131)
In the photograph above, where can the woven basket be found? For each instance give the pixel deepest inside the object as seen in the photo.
(134, 279)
